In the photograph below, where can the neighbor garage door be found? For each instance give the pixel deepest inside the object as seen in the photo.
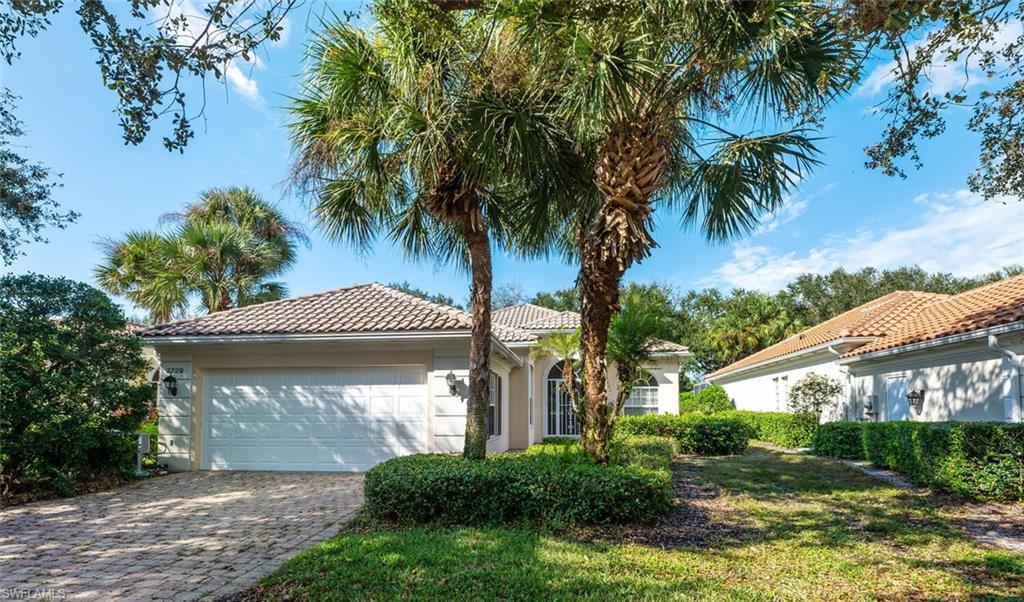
(341, 419)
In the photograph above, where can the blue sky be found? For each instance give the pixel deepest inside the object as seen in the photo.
(843, 215)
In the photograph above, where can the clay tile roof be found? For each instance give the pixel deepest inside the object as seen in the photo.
(877, 318)
(991, 305)
(660, 346)
(361, 308)
(534, 317)
(527, 316)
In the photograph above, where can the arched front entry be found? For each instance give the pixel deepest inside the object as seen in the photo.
(559, 415)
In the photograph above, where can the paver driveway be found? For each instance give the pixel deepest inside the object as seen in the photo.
(184, 536)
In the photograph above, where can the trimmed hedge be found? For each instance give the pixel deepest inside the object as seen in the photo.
(537, 487)
(840, 440)
(715, 435)
(781, 428)
(709, 400)
(979, 460)
(644, 451)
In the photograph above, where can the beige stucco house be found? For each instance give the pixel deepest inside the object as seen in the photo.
(347, 378)
(905, 356)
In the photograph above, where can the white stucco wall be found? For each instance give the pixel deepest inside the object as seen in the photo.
(755, 390)
(965, 381)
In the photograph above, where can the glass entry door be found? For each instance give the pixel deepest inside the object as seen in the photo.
(560, 417)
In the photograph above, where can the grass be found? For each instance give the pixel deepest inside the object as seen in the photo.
(789, 528)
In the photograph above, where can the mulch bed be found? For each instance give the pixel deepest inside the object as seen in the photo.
(104, 483)
(700, 518)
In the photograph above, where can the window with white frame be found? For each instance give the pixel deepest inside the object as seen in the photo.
(494, 407)
(643, 399)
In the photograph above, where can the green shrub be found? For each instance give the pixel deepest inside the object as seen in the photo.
(534, 487)
(978, 460)
(644, 451)
(687, 403)
(709, 400)
(780, 428)
(840, 440)
(696, 433)
(73, 383)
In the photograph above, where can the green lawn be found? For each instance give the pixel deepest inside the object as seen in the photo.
(781, 527)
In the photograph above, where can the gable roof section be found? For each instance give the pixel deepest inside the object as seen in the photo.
(363, 308)
(984, 307)
(875, 319)
(536, 319)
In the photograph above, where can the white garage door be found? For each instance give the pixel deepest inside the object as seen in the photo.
(318, 419)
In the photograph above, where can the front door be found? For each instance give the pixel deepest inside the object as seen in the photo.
(559, 415)
(897, 406)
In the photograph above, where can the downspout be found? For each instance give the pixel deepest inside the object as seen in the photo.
(1016, 363)
(845, 371)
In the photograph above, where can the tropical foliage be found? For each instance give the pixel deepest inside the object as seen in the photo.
(222, 251)
(633, 330)
(73, 382)
(635, 92)
(417, 130)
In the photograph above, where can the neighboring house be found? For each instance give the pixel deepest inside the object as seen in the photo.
(347, 378)
(905, 356)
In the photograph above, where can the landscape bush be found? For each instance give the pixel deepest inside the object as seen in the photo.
(73, 387)
(781, 428)
(644, 451)
(536, 487)
(715, 435)
(709, 400)
(840, 440)
(977, 460)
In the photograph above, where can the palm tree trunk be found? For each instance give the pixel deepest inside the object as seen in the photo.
(479, 245)
(631, 162)
(599, 300)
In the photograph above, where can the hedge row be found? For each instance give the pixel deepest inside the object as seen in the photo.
(714, 435)
(546, 487)
(781, 428)
(978, 460)
(642, 451)
(840, 440)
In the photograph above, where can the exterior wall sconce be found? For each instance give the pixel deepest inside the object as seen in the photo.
(452, 383)
(916, 399)
(170, 385)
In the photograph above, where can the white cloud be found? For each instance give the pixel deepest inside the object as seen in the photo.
(791, 209)
(942, 76)
(237, 71)
(958, 233)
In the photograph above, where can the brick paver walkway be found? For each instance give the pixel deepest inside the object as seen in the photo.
(186, 536)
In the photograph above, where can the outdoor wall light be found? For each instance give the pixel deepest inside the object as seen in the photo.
(171, 385)
(916, 399)
(452, 383)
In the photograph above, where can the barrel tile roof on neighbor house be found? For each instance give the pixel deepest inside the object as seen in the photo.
(987, 306)
(877, 318)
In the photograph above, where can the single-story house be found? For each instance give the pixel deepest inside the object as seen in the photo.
(905, 356)
(347, 378)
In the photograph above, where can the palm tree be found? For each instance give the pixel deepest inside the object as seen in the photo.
(223, 251)
(423, 130)
(640, 320)
(139, 267)
(645, 89)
